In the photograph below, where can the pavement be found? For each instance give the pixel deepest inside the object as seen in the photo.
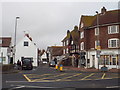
(88, 69)
(69, 68)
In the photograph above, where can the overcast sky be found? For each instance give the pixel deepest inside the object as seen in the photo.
(47, 22)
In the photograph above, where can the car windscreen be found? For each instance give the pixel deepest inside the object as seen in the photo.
(26, 61)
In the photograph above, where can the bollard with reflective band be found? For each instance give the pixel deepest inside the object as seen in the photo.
(61, 67)
(56, 67)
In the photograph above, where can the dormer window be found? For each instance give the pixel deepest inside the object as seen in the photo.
(26, 43)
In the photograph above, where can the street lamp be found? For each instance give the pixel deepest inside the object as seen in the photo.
(98, 42)
(17, 18)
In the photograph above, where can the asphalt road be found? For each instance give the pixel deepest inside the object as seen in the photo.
(46, 77)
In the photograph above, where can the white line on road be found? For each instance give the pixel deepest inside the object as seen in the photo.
(113, 87)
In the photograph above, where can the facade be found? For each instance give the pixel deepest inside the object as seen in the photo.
(26, 48)
(43, 57)
(71, 47)
(100, 39)
(5, 50)
(54, 52)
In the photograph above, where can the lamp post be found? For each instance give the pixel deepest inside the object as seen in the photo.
(17, 18)
(98, 42)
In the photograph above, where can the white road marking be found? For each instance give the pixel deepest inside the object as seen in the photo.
(113, 87)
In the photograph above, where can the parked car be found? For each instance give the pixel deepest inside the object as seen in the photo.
(44, 62)
(52, 64)
(27, 64)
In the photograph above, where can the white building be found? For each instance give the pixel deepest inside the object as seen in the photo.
(5, 53)
(26, 48)
(44, 57)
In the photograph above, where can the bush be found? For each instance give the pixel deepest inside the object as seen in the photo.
(7, 67)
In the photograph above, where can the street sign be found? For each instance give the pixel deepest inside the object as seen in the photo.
(98, 48)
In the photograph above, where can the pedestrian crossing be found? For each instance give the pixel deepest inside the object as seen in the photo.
(57, 77)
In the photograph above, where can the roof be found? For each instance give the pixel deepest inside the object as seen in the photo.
(56, 50)
(106, 18)
(6, 41)
(74, 34)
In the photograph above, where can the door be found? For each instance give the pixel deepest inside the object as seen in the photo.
(93, 60)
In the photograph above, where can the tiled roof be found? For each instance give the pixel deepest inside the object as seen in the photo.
(5, 41)
(56, 50)
(75, 36)
(107, 18)
(87, 20)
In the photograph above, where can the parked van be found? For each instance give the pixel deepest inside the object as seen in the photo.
(27, 64)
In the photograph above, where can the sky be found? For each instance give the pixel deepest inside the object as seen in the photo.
(47, 22)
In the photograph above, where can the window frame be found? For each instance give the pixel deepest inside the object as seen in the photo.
(110, 43)
(97, 31)
(82, 34)
(25, 44)
(82, 46)
(110, 29)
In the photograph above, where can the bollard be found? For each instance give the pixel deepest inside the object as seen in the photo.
(61, 67)
(56, 67)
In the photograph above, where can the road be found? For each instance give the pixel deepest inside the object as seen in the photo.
(46, 77)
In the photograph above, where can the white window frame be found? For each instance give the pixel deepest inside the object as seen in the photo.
(110, 43)
(82, 34)
(96, 31)
(25, 44)
(66, 50)
(82, 46)
(0, 41)
(113, 31)
(82, 24)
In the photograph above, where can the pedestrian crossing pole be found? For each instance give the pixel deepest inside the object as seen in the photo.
(61, 68)
(56, 66)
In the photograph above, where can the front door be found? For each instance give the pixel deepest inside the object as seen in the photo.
(93, 60)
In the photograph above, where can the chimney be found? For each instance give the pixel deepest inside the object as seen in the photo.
(103, 10)
(76, 28)
(68, 32)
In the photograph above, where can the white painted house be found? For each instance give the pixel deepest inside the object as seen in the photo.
(26, 48)
(5, 53)
(44, 57)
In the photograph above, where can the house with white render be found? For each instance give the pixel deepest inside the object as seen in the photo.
(27, 49)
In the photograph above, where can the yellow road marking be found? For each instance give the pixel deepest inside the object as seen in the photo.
(87, 76)
(48, 77)
(103, 76)
(69, 77)
(27, 78)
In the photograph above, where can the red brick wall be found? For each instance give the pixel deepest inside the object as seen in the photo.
(103, 37)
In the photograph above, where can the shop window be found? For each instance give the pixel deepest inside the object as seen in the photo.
(101, 62)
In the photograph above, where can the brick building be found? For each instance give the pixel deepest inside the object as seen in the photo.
(100, 39)
(71, 47)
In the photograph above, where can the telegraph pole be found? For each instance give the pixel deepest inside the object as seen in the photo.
(98, 42)
(15, 39)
